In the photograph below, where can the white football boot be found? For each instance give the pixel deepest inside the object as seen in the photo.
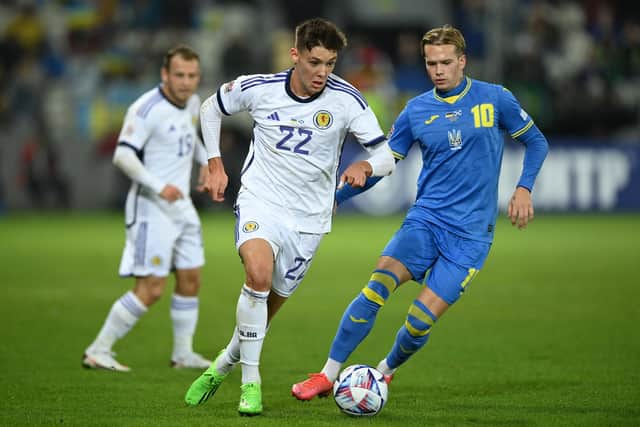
(103, 360)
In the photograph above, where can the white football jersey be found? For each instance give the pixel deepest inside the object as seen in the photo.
(164, 136)
(294, 156)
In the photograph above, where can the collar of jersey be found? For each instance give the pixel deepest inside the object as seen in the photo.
(287, 86)
(454, 94)
(164, 95)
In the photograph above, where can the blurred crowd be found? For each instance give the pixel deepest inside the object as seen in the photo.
(70, 68)
(577, 67)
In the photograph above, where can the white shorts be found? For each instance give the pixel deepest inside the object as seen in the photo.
(156, 243)
(293, 251)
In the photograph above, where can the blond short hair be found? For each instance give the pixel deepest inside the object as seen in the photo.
(445, 35)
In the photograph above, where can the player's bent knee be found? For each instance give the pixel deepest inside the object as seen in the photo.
(155, 293)
(150, 289)
(259, 279)
(188, 288)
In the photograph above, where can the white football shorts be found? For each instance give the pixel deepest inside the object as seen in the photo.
(157, 242)
(293, 251)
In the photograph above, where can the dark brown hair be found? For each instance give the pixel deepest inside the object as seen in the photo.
(319, 32)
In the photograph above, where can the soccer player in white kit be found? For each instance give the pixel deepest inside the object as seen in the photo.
(156, 148)
(284, 206)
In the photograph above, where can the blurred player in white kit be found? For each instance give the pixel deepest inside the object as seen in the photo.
(156, 148)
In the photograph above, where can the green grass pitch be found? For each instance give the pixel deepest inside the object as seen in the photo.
(546, 335)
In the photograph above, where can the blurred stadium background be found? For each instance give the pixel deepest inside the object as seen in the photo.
(70, 68)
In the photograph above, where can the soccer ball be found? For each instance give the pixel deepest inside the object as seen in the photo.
(360, 390)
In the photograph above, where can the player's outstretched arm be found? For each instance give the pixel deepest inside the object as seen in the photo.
(520, 209)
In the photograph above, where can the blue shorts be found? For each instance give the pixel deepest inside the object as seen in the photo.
(422, 246)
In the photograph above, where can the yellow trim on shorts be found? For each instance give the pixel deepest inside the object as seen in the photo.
(469, 278)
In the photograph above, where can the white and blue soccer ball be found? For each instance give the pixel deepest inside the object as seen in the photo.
(360, 390)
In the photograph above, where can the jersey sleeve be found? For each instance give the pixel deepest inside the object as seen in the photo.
(512, 117)
(520, 126)
(401, 136)
(235, 96)
(136, 129)
(366, 129)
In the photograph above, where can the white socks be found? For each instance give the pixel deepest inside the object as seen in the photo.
(251, 321)
(384, 368)
(184, 315)
(124, 313)
(331, 369)
(231, 355)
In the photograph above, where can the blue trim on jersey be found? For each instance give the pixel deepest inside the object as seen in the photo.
(374, 142)
(220, 104)
(335, 193)
(262, 82)
(263, 78)
(139, 153)
(144, 109)
(248, 163)
(135, 208)
(287, 87)
(362, 103)
(236, 213)
(347, 88)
